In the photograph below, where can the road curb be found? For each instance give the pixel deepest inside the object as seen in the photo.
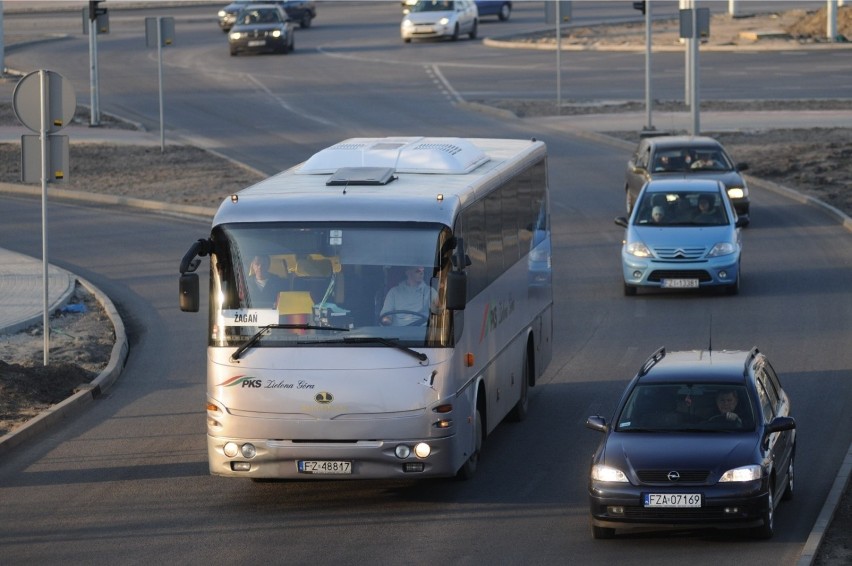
(83, 394)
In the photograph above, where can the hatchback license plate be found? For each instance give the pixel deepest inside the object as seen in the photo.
(324, 467)
(680, 283)
(672, 500)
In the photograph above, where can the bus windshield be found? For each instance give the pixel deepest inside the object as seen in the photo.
(371, 284)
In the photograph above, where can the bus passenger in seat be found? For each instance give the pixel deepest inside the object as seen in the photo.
(408, 304)
(263, 285)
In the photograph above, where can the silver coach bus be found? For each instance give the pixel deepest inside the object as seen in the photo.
(376, 311)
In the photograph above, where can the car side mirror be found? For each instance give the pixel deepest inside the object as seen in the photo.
(742, 166)
(741, 221)
(596, 422)
(621, 221)
(778, 424)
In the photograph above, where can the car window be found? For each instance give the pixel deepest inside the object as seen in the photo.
(767, 404)
(686, 208)
(686, 406)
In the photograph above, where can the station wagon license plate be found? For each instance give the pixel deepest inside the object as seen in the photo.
(679, 283)
(672, 500)
(257, 43)
(324, 467)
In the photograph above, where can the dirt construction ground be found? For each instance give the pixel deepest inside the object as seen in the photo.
(816, 162)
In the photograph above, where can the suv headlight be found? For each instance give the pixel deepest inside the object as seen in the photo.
(745, 473)
(722, 248)
(608, 474)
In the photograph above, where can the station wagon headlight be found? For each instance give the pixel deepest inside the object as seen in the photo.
(276, 33)
(736, 192)
(608, 474)
(745, 473)
(638, 249)
(235, 36)
(722, 248)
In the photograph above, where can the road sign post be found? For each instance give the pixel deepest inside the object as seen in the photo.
(160, 31)
(44, 102)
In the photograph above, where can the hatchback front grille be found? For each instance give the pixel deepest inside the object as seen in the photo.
(686, 254)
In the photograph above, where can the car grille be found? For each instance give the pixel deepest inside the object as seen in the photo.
(662, 476)
(660, 274)
(680, 253)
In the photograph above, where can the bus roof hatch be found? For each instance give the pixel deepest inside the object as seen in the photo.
(448, 156)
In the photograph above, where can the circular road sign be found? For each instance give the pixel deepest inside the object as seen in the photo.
(61, 102)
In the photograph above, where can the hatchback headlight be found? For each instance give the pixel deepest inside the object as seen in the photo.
(722, 248)
(608, 474)
(736, 192)
(444, 21)
(638, 249)
(407, 24)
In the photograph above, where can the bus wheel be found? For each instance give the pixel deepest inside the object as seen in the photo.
(521, 408)
(468, 469)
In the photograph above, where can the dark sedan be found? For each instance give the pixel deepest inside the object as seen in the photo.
(700, 439)
(261, 28)
(701, 157)
(302, 11)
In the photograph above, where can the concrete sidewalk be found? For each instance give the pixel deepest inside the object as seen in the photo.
(22, 290)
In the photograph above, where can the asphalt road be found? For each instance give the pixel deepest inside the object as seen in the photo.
(127, 480)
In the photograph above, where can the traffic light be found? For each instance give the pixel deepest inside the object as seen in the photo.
(639, 6)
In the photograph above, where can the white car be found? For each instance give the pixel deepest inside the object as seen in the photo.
(440, 18)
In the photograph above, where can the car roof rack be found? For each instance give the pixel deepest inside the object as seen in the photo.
(652, 361)
(752, 354)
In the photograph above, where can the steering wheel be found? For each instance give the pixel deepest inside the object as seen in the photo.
(422, 318)
(722, 417)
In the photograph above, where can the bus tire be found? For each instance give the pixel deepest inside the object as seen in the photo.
(521, 409)
(468, 469)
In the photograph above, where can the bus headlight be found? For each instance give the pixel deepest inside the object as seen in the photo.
(402, 451)
(249, 451)
(231, 449)
(422, 450)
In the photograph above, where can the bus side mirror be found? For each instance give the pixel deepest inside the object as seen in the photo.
(456, 290)
(189, 294)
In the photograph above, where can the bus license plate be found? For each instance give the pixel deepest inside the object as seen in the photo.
(672, 500)
(324, 467)
(680, 283)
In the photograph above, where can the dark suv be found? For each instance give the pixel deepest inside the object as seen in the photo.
(666, 157)
(700, 439)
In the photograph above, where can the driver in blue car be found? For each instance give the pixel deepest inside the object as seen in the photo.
(408, 303)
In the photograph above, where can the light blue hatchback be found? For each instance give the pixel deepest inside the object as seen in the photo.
(682, 234)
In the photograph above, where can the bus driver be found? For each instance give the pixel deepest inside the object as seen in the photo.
(408, 303)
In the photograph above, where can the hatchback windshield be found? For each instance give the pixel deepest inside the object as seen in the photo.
(681, 209)
(321, 283)
(433, 6)
(702, 407)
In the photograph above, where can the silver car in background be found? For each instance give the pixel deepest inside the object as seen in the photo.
(432, 19)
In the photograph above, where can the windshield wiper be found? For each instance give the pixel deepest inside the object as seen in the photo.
(260, 333)
(391, 343)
